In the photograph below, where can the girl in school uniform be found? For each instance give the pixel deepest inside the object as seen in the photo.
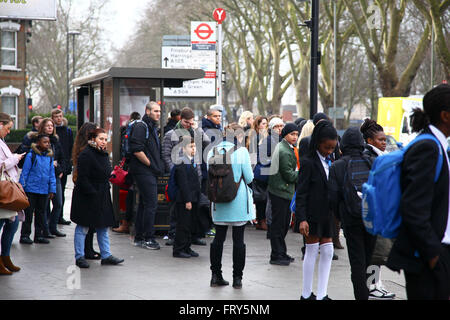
(314, 211)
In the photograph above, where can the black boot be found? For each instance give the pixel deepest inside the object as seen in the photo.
(237, 282)
(215, 256)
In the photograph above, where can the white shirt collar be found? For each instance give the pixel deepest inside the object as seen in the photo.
(321, 157)
(377, 151)
(440, 136)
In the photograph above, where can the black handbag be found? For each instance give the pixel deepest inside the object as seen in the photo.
(259, 191)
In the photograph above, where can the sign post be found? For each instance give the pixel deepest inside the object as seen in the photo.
(219, 15)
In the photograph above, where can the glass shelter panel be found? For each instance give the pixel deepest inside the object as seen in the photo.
(135, 94)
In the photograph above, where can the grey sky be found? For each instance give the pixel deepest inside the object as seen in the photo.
(120, 18)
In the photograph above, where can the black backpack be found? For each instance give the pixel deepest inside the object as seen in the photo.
(357, 174)
(221, 186)
(22, 149)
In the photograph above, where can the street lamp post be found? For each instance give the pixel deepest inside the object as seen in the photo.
(72, 33)
(313, 25)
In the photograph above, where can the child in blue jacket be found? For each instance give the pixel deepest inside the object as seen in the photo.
(39, 182)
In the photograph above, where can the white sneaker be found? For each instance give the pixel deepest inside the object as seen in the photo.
(380, 294)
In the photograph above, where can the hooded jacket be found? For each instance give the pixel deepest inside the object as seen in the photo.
(39, 176)
(352, 147)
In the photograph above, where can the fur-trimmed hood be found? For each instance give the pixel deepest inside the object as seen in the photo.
(32, 135)
(35, 149)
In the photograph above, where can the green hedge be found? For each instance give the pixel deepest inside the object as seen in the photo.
(16, 135)
(71, 118)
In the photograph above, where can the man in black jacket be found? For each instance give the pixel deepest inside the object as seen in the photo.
(66, 140)
(422, 247)
(145, 166)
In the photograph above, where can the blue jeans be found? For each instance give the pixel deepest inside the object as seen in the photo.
(102, 238)
(10, 228)
(52, 217)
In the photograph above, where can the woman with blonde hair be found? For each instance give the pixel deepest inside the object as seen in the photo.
(307, 131)
(246, 120)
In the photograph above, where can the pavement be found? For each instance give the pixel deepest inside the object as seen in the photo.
(48, 272)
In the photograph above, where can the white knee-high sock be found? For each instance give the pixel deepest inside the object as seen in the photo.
(311, 252)
(326, 257)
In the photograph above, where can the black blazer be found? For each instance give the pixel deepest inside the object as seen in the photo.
(424, 209)
(312, 202)
(187, 179)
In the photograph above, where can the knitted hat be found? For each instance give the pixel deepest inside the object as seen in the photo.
(274, 122)
(288, 128)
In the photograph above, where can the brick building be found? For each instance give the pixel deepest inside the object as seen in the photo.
(13, 70)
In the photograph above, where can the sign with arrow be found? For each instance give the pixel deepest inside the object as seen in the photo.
(180, 57)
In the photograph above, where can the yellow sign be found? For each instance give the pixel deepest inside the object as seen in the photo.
(394, 113)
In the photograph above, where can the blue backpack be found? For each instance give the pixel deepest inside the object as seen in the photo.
(382, 192)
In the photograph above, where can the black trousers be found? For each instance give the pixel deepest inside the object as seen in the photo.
(199, 222)
(281, 217)
(148, 203)
(183, 229)
(260, 210)
(239, 249)
(37, 206)
(431, 284)
(63, 188)
(360, 246)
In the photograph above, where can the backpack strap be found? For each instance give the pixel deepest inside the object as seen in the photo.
(428, 136)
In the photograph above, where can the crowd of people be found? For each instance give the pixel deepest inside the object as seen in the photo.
(260, 170)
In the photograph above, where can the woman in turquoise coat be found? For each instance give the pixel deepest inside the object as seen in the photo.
(235, 213)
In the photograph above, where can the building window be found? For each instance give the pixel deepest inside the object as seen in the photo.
(9, 106)
(9, 49)
(9, 101)
(8, 45)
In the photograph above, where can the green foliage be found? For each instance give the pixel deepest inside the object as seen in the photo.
(16, 135)
(71, 118)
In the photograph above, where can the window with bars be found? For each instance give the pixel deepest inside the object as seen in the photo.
(8, 49)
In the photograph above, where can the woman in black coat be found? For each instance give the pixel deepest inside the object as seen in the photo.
(91, 199)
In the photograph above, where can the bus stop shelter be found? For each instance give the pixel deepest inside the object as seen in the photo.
(108, 97)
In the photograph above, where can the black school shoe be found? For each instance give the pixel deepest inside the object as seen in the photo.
(311, 297)
(41, 240)
(181, 254)
(280, 262)
(64, 222)
(26, 240)
(192, 253)
(111, 260)
(57, 233)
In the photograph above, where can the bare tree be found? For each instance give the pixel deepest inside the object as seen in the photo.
(47, 53)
